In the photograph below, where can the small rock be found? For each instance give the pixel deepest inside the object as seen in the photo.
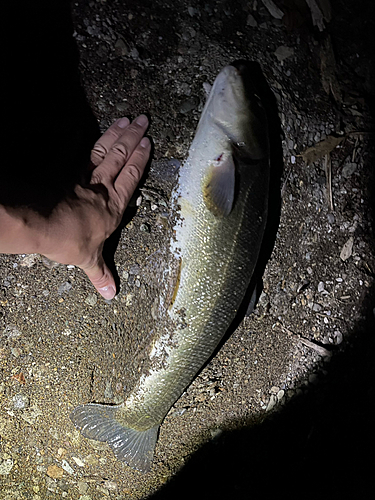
(91, 299)
(272, 402)
(48, 263)
(30, 415)
(320, 286)
(16, 351)
(337, 337)
(347, 249)
(348, 169)
(189, 105)
(55, 472)
(30, 260)
(121, 47)
(123, 107)
(331, 218)
(251, 21)
(66, 466)
(134, 53)
(12, 332)
(280, 395)
(91, 460)
(134, 269)
(145, 228)
(20, 401)
(6, 466)
(79, 462)
(82, 487)
(283, 52)
(65, 287)
(110, 485)
(216, 433)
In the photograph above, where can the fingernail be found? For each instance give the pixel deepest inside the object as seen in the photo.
(108, 292)
(123, 122)
(145, 142)
(142, 120)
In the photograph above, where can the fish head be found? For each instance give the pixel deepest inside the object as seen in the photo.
(235, 110)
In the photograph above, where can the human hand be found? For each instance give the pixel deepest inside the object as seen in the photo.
(78, 228)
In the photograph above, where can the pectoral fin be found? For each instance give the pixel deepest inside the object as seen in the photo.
(218, 186)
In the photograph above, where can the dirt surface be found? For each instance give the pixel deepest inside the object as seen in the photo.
(286, 403)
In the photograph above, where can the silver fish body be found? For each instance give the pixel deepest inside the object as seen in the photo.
(221, 201)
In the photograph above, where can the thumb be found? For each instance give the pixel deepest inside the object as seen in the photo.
(102, 279)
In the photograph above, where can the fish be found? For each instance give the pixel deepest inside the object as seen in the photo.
(220, 201)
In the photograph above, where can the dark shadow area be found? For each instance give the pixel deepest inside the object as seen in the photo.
(50, 128)
(320, 445)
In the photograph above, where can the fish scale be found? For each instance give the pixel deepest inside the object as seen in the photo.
(221, 203)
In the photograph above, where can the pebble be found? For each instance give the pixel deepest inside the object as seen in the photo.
(320, 286)
(348, 169)
(6, 466)
(30, 260)
(145, 228)
(91, 299)
(16, 351)
(347, 249)
(82, 487)
(55, 472)
(122, 107)
(66, 466)
(78, 461)
(20, 401)
(272, 402)
(65, 287)
(331, 218)
(337, 337)
(280, 395)
(251, 21)
(189, 105)
(283, 52)
(134, 269)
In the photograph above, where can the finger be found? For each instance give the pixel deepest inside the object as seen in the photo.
(120, 152)
(132, 172)
(106, 141)
(102, 279)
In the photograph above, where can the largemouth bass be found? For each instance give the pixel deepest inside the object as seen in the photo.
(221, 201)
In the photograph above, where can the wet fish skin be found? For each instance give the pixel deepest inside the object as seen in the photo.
(221, 199)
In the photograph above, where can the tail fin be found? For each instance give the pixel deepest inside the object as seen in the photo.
(135, 448)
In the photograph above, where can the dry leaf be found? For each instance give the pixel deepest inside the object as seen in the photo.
(20, 378)
(321, 149)
(347, 249)
(55, 472)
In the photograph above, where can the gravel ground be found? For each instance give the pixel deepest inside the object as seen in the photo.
(285, 406)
